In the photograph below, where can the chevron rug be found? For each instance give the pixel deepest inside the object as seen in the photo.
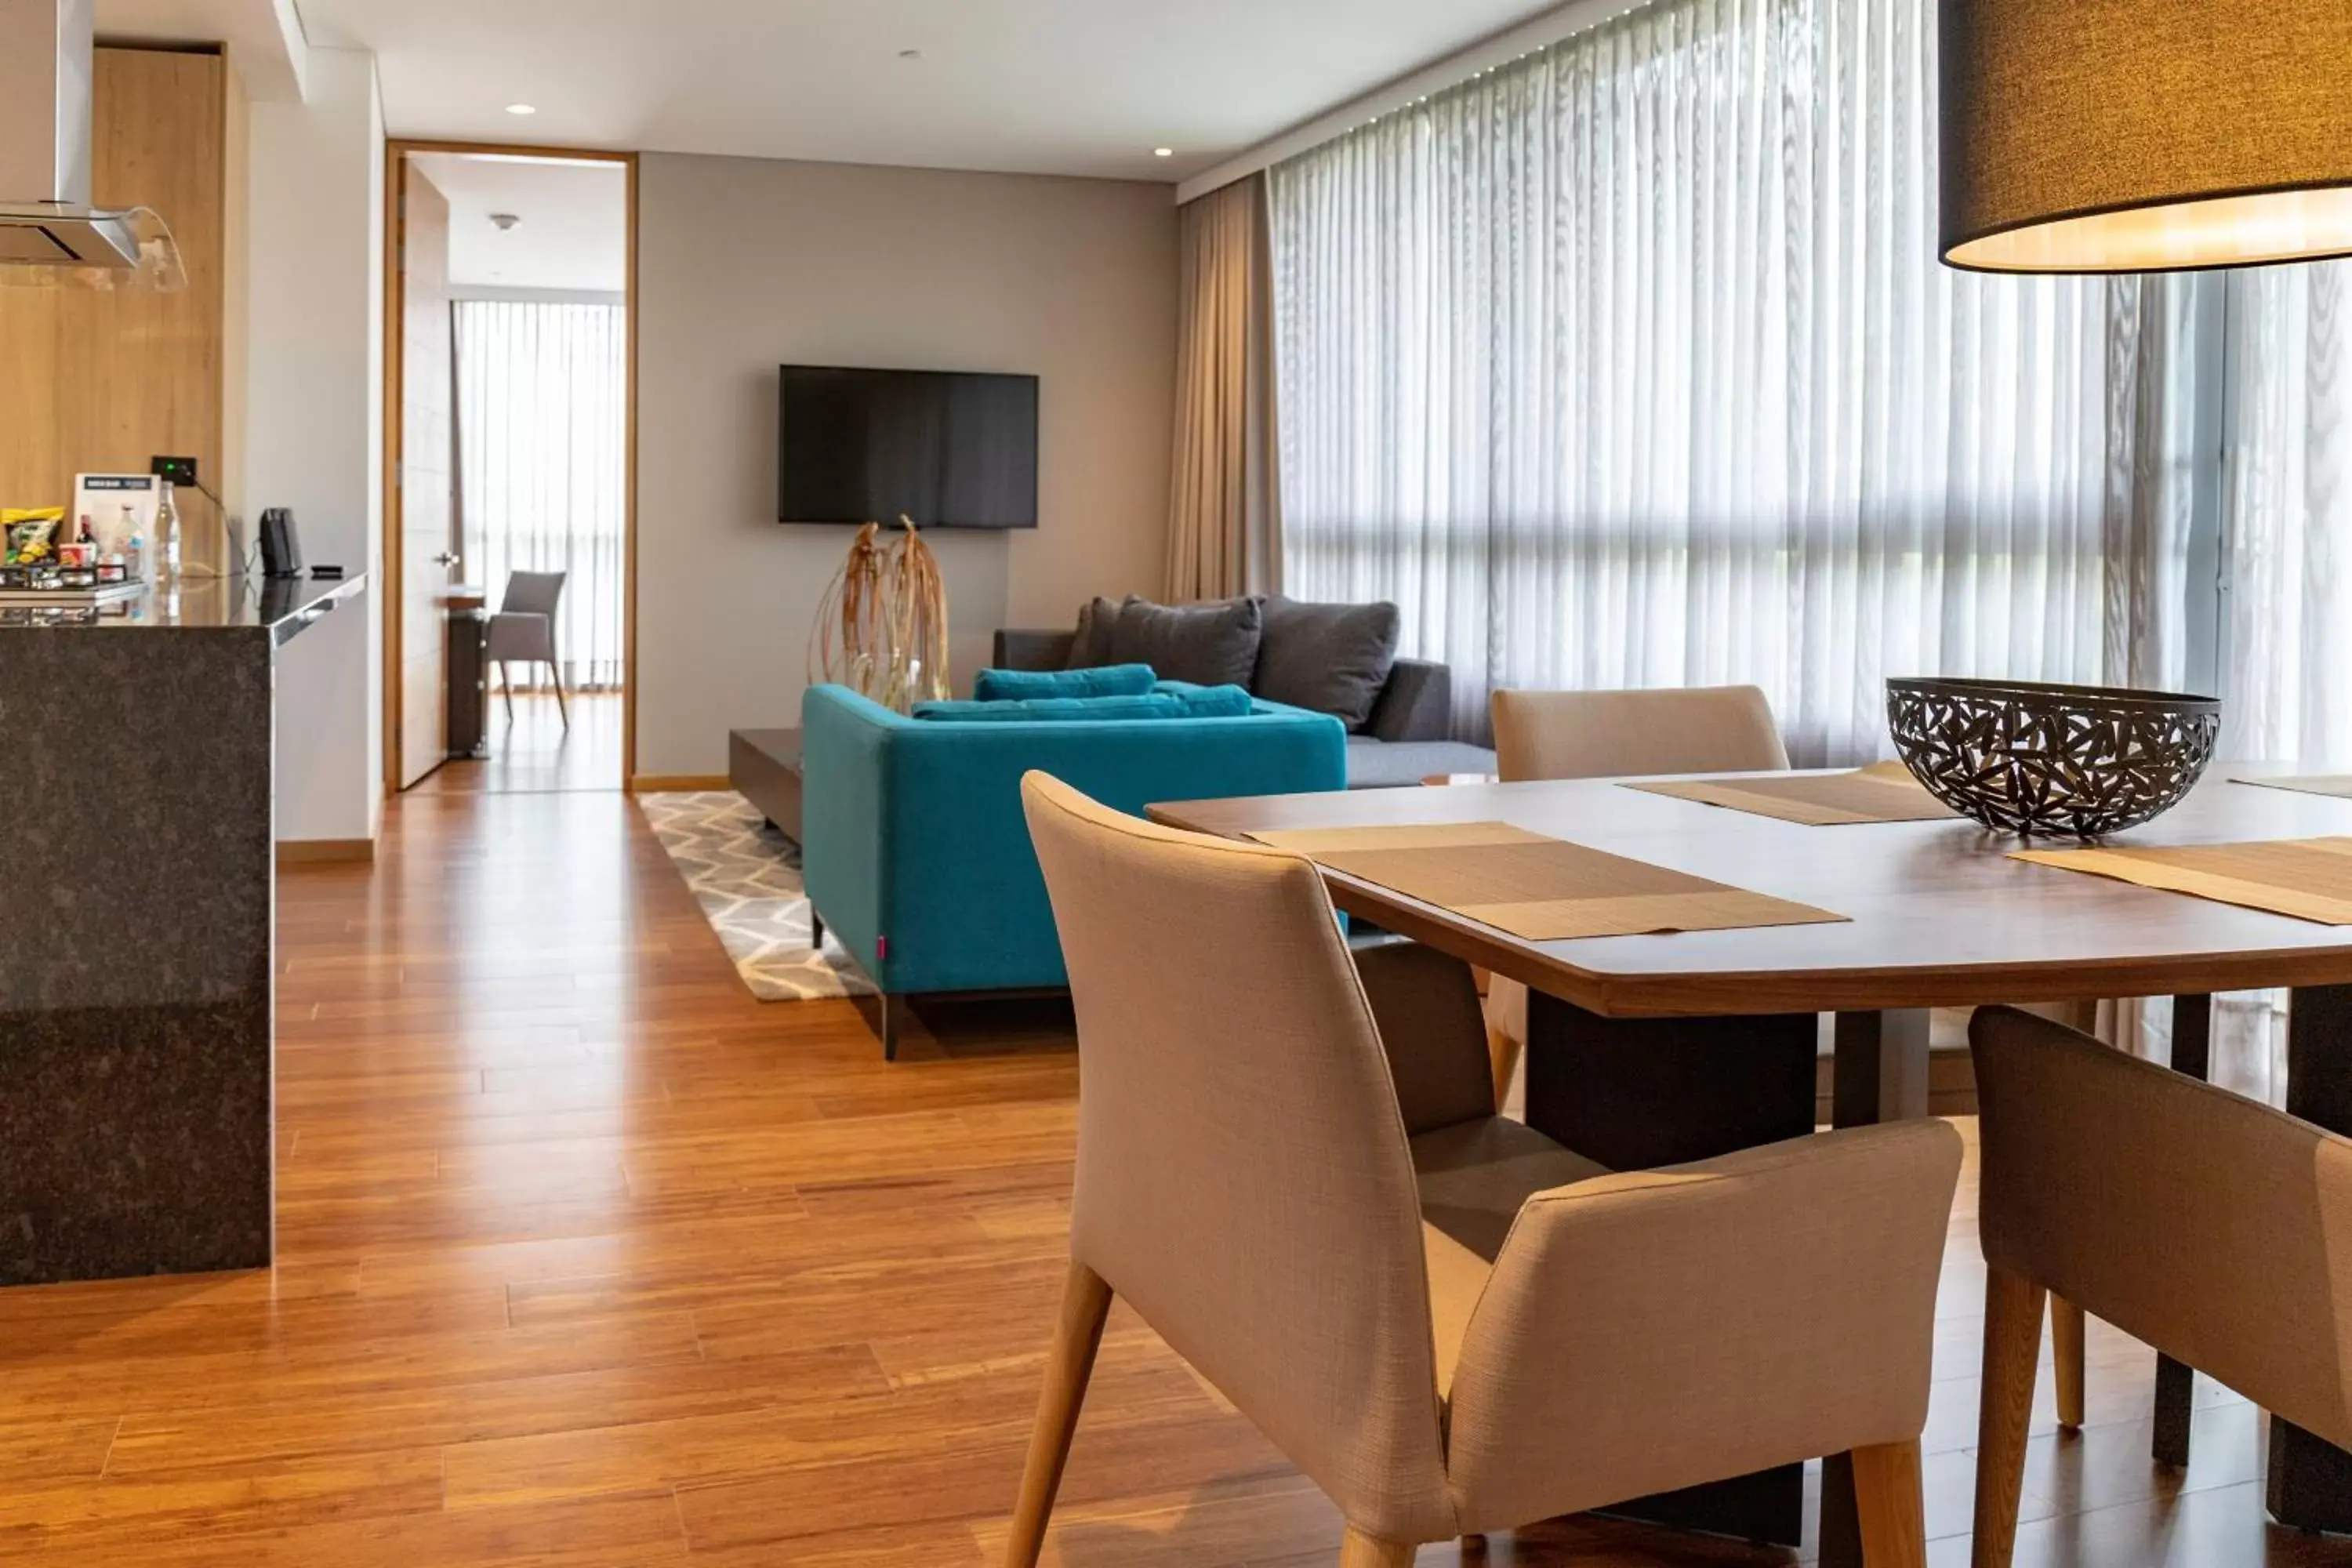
(747, 878)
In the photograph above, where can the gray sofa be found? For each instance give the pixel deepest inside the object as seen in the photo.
(1408, 737)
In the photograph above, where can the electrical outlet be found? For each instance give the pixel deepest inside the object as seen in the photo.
(179, 471)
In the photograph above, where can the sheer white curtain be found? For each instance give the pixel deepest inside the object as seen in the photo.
(541, 423)
(2288, 515)
(2287, 532)
(1630, 363)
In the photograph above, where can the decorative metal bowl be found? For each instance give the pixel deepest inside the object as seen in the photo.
(2027, 757)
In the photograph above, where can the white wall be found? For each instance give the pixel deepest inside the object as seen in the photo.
(313, 430)
(744, 264)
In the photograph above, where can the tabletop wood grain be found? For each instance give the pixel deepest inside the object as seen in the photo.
(1938, 913)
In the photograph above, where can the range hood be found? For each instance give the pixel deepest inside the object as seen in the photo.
(49, 233)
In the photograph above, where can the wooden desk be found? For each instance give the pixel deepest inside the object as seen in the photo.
(1648, 1050)
(466, 610)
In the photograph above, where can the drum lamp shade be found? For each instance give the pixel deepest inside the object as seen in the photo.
(2144, 135)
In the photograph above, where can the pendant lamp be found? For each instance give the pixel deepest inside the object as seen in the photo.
(2144, 135)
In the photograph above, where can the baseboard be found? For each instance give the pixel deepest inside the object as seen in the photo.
(678, 784)
(325, 851)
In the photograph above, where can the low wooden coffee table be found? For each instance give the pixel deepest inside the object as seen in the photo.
(764, 766)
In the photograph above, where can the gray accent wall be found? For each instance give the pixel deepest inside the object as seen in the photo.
(744, 264)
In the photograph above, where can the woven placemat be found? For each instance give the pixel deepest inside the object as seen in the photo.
(1535, 887)
(2336, 785)
(2309, 878)
(1884, 792)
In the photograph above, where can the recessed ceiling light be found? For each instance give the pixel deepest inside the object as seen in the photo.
(523, 109)
(1164, 151)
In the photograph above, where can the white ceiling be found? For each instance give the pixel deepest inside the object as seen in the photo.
(1069, 86)
(573, 232)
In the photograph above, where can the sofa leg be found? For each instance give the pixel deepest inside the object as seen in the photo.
(816, 928)
(894, 1018)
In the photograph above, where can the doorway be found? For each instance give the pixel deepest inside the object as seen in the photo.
(509, 468)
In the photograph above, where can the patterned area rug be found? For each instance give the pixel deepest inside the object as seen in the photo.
(747, 878)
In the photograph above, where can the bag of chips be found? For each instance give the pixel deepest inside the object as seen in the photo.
(32, 534)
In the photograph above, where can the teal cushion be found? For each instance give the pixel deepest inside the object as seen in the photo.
(1056, 710)
(1208, 701)
(1104, 681)
(1216, 703)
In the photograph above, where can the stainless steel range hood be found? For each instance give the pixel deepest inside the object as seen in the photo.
(49, 233)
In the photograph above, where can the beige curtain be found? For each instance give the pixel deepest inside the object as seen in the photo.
(1224, 527)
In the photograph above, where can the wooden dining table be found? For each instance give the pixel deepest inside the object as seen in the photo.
(1657, 1049)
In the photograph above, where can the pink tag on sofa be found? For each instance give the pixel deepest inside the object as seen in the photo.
(881, 947)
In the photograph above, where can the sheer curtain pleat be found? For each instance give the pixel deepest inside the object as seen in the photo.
(1631, 363)
(541, 426)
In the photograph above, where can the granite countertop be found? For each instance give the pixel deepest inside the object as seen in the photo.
(281, 606)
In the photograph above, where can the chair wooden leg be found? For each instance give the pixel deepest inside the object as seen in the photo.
(1888, 1498)
(2012, 1338)
(506, 684)
(1503, 1061)
(1358, 1549)
(555, 674)
(1086, 1301)
(2066, 1351)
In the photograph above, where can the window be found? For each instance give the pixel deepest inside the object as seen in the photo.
(542, 426)
(1631, 363)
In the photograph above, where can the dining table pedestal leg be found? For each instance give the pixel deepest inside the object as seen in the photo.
(2176, 1381)
(1880, 1073)
(1637, 1093)
(2310, 1483)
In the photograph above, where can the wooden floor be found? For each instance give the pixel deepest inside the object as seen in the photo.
(533, 751)
(589, 1260)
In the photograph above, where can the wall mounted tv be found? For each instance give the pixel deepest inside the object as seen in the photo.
(945, 448)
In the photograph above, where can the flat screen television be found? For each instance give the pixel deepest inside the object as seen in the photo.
(947, 449)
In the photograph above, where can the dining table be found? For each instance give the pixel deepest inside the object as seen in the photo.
(1659, 1049)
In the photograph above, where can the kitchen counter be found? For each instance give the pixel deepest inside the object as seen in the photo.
(137, 942)
(281, 606)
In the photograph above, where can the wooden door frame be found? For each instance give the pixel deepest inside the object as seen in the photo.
(396, 155)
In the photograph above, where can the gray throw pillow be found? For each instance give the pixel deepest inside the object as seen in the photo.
(1208, 645)
(1329, 658)
(1091, 646)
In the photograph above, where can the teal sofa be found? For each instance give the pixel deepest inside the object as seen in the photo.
(915, 851)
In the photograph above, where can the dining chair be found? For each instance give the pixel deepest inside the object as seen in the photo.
(1289, 1166)
(1617, 734)
(524, 628)
(2206, 1225)
(1607, 734)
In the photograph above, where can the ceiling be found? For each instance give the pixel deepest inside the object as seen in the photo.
(574, 225)
(1065, 86)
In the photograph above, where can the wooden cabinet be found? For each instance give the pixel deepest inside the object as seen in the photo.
(93, 379)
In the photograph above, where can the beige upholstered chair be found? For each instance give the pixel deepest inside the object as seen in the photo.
(1604, 734)
(2213, 1227)
(1617, 734)
(1288, 1165)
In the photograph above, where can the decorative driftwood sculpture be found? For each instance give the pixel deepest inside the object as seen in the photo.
(882, 627)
